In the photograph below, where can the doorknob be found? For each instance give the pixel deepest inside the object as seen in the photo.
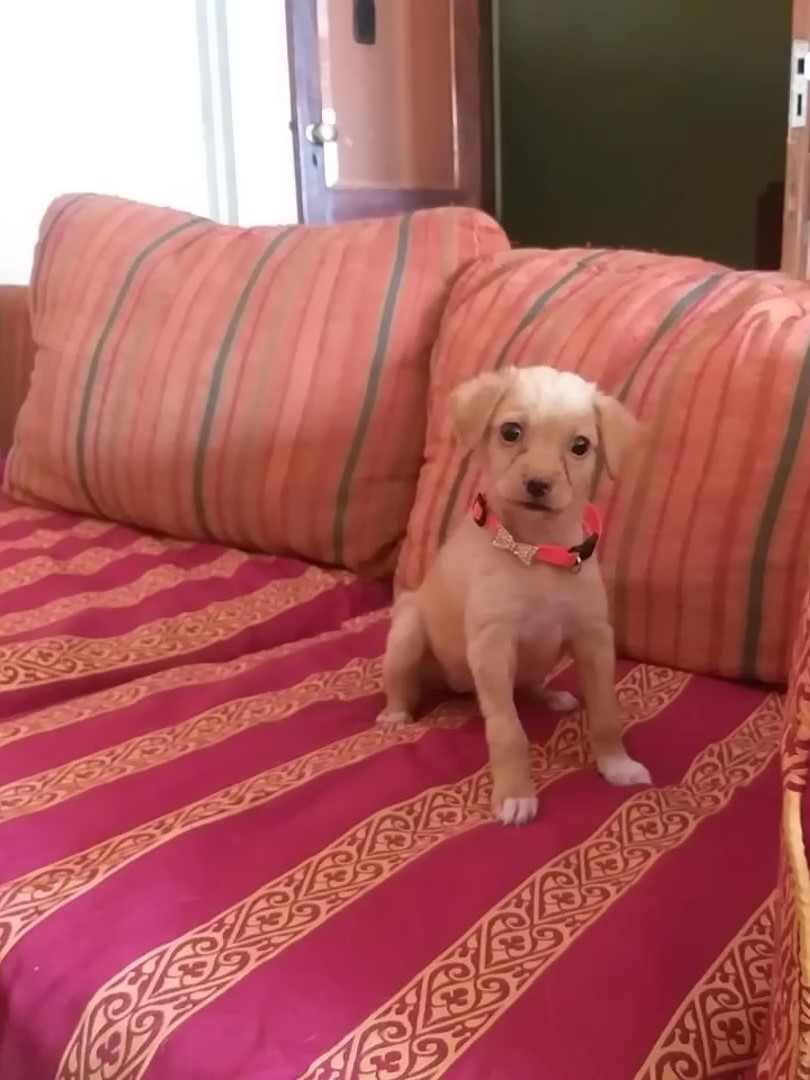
(321, 133)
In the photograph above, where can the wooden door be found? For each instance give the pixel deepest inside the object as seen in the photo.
(393, 105)
(796, 219)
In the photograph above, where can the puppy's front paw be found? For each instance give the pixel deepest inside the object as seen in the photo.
(623, 771)
(394, 717)
(517, 811)
(514, 803)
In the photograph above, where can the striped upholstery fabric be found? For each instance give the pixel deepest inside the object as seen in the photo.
(261, 387)
(787, 1047)
(16, 357)
(705, 544)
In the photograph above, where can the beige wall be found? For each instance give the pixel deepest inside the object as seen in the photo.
(631, 123)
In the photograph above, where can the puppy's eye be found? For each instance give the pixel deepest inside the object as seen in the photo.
(511, 432)
(580, 446)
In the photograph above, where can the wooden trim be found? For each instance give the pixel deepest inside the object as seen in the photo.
(17, 354)
(797, 194)
(797, 175)
(486, 105)
(496, 135)
(305, 95)
(379, 202)
(467, 98)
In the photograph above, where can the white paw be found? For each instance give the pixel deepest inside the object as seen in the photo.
(623, 771)
(517, 811)
(559, 700)
(394, 717)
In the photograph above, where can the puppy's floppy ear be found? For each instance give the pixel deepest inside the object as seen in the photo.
(618, 432)
(473, 403)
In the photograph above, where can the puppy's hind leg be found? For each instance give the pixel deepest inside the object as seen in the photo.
(556, 700)
(595, 657)
(403, 662)
(549, 662)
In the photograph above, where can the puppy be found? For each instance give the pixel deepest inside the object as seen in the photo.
(518, 584)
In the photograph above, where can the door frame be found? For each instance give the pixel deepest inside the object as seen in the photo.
(475, 119)
(796, 214)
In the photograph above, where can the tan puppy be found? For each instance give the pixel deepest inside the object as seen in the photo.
(494, 613)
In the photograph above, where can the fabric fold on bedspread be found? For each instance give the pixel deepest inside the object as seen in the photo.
(88, 605)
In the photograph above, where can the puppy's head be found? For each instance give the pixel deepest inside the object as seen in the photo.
(539, 433)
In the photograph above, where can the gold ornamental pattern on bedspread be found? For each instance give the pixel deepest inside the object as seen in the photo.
(191, 760)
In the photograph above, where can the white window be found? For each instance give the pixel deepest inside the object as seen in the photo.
(182, 103)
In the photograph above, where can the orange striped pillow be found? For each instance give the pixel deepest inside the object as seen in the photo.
(264, 387)
(705, 551)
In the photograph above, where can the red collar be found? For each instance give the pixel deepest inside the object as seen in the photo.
(552, 554)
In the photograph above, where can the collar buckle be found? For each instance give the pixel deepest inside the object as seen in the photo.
(584, 550)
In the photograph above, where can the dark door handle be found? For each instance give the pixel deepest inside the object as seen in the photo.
(364, 16)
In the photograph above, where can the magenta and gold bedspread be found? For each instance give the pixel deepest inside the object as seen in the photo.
(213, 865)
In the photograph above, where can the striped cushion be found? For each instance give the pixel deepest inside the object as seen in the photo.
(705, 545)
(263, 387)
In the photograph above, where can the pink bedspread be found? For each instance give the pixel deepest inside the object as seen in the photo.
(214, 865)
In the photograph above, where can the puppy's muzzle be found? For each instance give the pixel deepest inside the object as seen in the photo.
(537, 487)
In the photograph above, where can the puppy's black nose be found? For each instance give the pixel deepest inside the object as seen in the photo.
(536, 488)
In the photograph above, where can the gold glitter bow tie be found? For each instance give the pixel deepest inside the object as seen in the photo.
(504, 541)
